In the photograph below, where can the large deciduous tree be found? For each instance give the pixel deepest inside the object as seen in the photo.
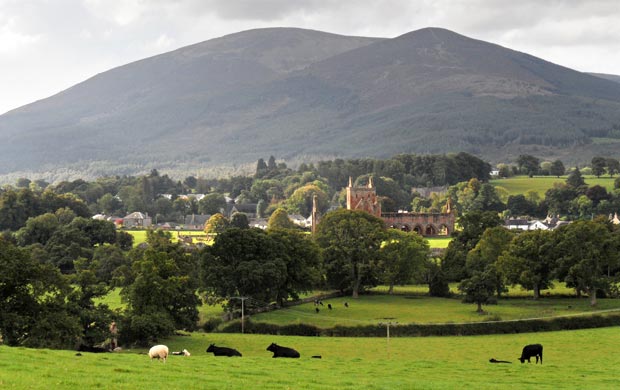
(585, 250)
(483, 257)
(529, 261)
(245, 262)
(473, 225)
(33, 302)
(351, 242)
(161, 296)
(402, 254)
(598, 166)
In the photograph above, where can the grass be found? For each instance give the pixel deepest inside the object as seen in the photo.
(139, 236)
(410, 304)
(439, 242)
(405, 309)
(572, 360)
(521, 184)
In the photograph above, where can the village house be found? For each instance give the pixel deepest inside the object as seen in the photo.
(137, 219)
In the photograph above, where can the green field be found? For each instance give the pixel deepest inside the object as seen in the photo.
(139, 236)
(585, 359)
(410, 304)
(440, 242)
(521, 184)
(406, 309)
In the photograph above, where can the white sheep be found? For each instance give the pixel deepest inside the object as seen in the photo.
(159, 352)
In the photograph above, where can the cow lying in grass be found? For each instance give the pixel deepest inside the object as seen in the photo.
(223, 351)
(279, 351)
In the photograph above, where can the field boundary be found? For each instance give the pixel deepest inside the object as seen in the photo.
(585, 320)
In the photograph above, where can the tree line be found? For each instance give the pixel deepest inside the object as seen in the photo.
(486, 258)
(51, 290)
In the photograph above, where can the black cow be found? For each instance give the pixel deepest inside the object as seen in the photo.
(88, 348)
(223, 351)
(329, 306)
(531, 350)
(346, 304)
(316, 309)
(279, 351)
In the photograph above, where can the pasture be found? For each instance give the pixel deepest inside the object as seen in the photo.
(521, 184)
(406, 309)
(139, 236)
(572, 360)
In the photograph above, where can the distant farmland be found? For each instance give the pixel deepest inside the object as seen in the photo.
(521, 184)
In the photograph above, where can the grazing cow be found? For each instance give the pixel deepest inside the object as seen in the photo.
(279, 351)
(531, 350)
(88, 348)
(223, 351)
(159, 352)
(321, 303)
(329, 306)
(346, 304)
(316, 309)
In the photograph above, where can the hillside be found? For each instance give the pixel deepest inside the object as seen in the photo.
(302, 94)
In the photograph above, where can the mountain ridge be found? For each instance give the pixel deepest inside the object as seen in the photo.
(293, 92)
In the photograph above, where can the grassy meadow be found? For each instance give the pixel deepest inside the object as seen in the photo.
(572, 360)
(521, 184)
(406, 309)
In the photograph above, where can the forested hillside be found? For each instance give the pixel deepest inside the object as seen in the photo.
(306, 95)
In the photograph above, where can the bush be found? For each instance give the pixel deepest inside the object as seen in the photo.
(145, 329)
(211, 324)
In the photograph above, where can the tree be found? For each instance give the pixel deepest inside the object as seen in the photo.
(487, 199)
(351, 242)
(529, 261)
(245, 262)
(161, 295)
(33, 302)
(473, 225)
(598, 166)
(402, 254)
(478, 289)
(528, 164)
(212, 203)
(94, 318)
(240, 220)
(483, 257)
(216, 224)
(557, 168)
(302, 258)
(597, 193)
(575, 180)
(301, 200)
(110, 205)
(613, 166)
(280, 220)
(518, 205)
(261, 168)
(584, 250)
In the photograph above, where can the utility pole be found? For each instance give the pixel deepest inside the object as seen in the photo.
(242, 312)
(387, 324)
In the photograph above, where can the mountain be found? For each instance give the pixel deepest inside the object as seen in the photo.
(305, 94)
(612, 77)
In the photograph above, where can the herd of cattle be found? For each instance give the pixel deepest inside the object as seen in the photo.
(161, 352)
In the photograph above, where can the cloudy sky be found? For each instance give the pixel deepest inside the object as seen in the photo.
(48, 45)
